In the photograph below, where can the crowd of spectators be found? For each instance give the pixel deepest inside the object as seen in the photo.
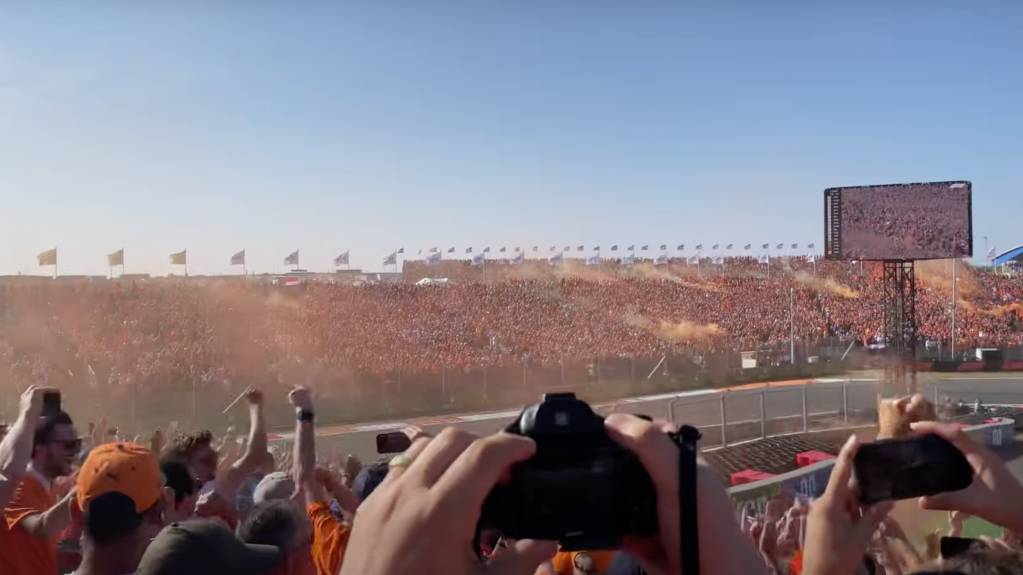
(193, 503)
(150, 332)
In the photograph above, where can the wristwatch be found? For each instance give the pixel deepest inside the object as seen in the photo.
(303, 414)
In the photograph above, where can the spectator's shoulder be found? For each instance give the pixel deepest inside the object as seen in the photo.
(30, 498)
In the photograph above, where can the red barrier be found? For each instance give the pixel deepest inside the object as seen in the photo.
(749, 476)
(971, 366)
(810, 457)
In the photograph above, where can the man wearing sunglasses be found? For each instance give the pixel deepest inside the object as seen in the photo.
(34, 517)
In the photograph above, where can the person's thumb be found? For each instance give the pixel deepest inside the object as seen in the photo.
(524, 557)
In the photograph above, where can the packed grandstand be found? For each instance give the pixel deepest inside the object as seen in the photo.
(159, 330)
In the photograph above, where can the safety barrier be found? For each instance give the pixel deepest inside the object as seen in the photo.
(809, 482)
(727, 417)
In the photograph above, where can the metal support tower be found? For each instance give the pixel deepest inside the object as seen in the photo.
(899, 328)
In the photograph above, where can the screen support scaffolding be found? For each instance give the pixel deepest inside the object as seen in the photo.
(899, 328)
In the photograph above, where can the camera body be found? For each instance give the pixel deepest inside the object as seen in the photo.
(580, 488)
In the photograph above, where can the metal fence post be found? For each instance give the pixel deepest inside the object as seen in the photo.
(804, 409)
(935, 395)
(845, 402)
(763, 415)
(724, 439)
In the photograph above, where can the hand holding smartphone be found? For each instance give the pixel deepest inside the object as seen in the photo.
(392, 442)
(892, 469)
(51, 402)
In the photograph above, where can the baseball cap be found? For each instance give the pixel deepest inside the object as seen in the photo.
(276, 485)
(204, 547)
(369, 478)
(126, 468)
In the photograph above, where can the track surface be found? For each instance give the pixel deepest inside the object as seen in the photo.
(782, 402)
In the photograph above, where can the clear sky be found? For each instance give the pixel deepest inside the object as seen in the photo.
(370, 125)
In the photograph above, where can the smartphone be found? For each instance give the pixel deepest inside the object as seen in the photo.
(51, 402)
(950, 547)
(893, 469)
(392, 442)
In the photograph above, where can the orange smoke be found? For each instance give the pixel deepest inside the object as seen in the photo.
(827, 284)
(937, 275)
(682, 331)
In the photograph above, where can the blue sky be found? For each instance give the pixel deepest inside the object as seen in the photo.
(370, 125)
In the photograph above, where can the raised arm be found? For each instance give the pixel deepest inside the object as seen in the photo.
(303, 466)
(16, 447)
(255, 454)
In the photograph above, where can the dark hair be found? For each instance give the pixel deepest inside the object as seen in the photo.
(44, 431)
(275, 522)
(185, 445)
(176, 476)
(111, 516)
(369, 478)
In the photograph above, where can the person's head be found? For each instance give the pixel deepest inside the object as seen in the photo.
(281, 523)
(196, 450)
(369, 478)
(55, 445)
(120, 498)
(186, 491)
(205, 547)
(274, 486)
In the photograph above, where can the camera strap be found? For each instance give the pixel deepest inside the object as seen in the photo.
(688, 436)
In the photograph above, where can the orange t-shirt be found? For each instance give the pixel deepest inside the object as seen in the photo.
(564, 561)
(20, 553)
(330, 538)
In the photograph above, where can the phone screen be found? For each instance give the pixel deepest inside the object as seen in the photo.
(895, 469)
(51, 402)
(392, 442)
(951, 546)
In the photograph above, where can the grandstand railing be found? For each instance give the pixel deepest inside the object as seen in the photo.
(728, 417)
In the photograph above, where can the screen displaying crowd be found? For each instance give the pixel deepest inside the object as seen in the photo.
(192, 503)
(906, 221)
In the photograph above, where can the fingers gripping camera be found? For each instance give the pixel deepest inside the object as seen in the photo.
(580, 488)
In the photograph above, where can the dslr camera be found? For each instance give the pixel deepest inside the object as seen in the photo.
(580, 488)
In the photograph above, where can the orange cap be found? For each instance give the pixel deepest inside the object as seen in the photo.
(126, 468)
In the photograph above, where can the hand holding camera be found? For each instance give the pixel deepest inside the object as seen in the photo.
(558, 455)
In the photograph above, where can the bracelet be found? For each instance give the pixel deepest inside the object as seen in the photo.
(304, 415)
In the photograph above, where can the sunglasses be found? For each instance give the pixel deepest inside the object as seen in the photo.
(70, 444)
